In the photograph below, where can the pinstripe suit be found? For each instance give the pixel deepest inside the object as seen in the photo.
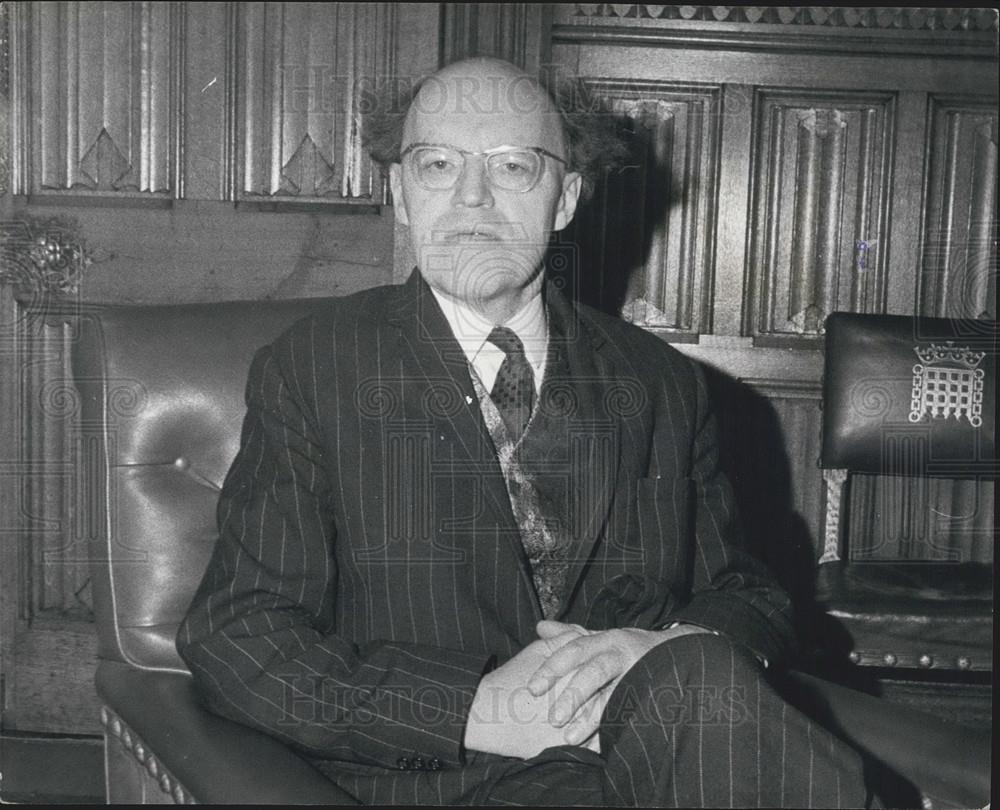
(369, 568)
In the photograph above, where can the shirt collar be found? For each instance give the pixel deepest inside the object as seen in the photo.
(471, 329)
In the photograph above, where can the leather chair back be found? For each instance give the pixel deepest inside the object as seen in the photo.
(908, 395)
(162, 403)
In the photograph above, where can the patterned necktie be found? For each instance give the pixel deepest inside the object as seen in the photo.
(514, 389)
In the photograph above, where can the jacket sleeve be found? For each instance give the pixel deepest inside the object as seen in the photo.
(732, 593)
(260, 636)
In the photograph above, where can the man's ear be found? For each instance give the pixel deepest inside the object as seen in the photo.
(572, 184)
(396, 186)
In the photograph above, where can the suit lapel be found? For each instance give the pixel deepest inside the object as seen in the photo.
(593, 431)
(436, 390)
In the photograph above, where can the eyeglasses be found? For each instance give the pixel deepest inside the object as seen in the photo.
(512, 168)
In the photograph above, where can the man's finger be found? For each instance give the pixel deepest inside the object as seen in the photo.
(562, 662)
(585, 683)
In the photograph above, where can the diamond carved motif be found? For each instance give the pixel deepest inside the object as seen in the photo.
(105, 166)
(308, 173)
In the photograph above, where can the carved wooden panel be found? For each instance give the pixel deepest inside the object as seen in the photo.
(302, 69)
(958, 268)
(892, 517)
(965, 19)
(517, 32)
(103, 79)
(643, 245)
(817, 224)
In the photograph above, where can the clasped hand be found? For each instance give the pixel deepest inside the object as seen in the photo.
(554, 691)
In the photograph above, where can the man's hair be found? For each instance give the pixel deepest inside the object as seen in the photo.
(593, 137)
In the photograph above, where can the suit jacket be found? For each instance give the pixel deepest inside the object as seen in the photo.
(369, 568)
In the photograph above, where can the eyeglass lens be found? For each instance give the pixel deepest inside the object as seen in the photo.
(513, 170)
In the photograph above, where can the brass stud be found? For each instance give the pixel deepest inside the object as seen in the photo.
(182, 464)
(890, 659)
(964, 663)
(854, 657)
(925, 660)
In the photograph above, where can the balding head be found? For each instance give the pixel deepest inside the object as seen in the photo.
(490, 96)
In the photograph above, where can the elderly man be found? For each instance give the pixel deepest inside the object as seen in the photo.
(475, 546)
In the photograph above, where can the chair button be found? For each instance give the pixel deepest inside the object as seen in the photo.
(890, 659)
(417, 763)
(925, 660)
(434, 764)
(964, 663)
(403, 763)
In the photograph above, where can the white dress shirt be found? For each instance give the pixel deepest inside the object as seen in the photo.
(471, 330)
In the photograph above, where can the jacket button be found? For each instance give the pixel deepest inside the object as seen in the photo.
(403, 763)
(417, 763)
(434, 764)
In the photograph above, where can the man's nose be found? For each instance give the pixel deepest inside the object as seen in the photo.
(473, 187)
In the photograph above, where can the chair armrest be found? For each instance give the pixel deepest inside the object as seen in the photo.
(216, 760)
(945, 760)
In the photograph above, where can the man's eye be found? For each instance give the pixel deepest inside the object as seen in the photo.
(514, 166)
(438, 164)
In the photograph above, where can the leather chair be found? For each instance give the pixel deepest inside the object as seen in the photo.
(911, 399)
(161, 407)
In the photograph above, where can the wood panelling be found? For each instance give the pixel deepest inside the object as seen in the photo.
(828, 17)
(822, 30)
(958, 268)
(303, 70)
(51, 684)
(817, 223)
(517, 32)
(103, 85)
(651, 226)
(54, 548)
(920, 519)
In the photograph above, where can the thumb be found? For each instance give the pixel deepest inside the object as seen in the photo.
(549, 628)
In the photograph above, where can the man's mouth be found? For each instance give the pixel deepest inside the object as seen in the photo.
(478, 234)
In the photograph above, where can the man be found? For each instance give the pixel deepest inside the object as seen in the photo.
(463, 563)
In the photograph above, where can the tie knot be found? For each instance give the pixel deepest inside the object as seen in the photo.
(507, 341)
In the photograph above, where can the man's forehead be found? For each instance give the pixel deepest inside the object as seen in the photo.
(482, 90)
(487, 98)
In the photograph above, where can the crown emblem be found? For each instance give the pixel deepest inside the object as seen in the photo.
(936, 354)
(947, 382)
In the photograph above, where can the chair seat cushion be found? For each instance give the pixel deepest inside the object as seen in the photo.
(911, 614)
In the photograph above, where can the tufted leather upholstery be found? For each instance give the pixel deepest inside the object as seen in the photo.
(161, 408)
(908, 614)
(162, 404)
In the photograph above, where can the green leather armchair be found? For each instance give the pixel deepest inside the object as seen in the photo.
(161, 408)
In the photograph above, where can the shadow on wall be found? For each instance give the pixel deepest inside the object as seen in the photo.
(597, 260)
(604, 250)
(755, 459)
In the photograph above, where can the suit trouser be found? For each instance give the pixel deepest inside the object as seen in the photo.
(694, 724)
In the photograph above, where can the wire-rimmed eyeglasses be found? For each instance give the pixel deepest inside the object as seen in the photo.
(512, 168)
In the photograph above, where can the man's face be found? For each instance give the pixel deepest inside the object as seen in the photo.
(476, 242)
